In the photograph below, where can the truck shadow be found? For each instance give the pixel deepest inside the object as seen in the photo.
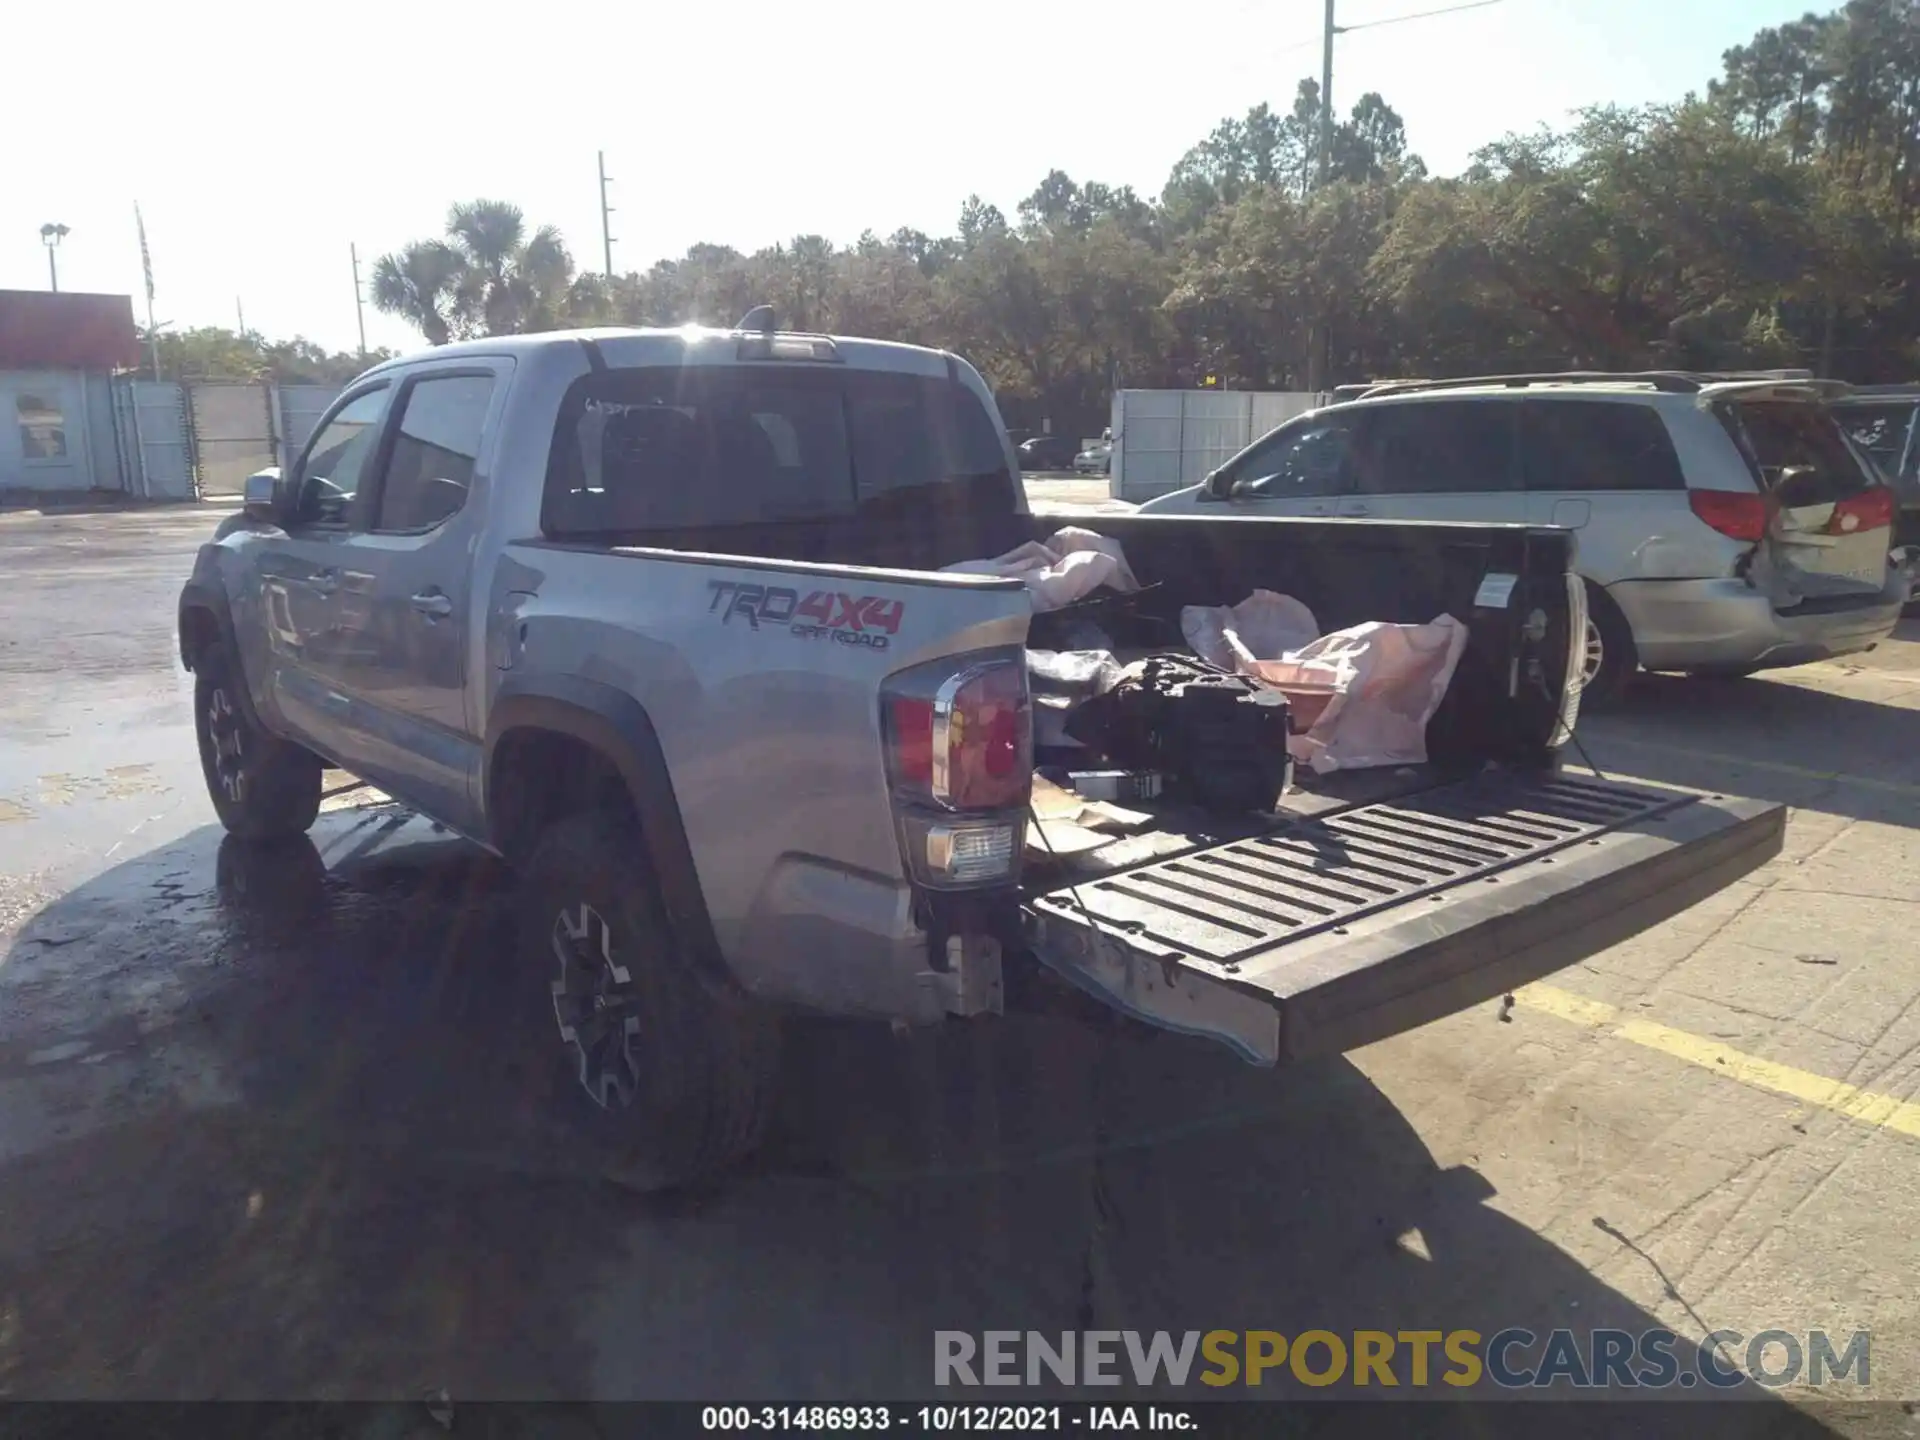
(1761, 738)
(257, 1140)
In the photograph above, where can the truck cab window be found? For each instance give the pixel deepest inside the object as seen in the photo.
(336, 457)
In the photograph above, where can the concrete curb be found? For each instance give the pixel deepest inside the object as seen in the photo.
(98, 502)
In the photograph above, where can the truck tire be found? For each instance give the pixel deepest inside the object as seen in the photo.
(262, 787)
(1610, 658)
(662, 1074)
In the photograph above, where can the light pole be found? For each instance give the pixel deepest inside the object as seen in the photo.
(50, 236)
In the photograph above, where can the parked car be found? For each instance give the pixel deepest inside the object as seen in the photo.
(1047, 452)
(661, 617)
(1880, 419)
(1095, 459)
(1724, 526)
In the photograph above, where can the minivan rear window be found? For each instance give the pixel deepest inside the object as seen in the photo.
(1584, 445)
(1776, 435)
(1880, 430)
(696, 447)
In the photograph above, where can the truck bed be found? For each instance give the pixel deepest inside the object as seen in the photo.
(1356, 916)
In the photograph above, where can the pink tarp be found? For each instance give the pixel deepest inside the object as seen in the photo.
(1364, 695)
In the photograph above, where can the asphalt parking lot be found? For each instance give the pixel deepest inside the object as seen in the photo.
(253, 1142)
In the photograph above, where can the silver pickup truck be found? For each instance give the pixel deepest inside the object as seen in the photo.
(660, 617)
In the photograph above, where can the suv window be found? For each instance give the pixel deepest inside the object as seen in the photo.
(1596, 445)
(1301, 461)
(665, 448)
(335, 460)
(434, 451)
(1447, 447)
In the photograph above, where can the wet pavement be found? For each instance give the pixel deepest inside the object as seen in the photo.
(260, 1136)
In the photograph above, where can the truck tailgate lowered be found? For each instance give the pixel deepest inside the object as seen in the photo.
(1332, 932)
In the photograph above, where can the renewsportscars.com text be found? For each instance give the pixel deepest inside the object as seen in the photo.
(1511, 1359)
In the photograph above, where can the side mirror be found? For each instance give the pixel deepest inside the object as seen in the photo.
(264, 496)
(1217, 486)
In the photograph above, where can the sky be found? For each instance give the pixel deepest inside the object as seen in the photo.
(261, 142)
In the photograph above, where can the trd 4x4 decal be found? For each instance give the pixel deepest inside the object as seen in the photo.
(845, 619)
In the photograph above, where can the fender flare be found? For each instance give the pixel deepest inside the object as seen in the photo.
(199, 595)
(618, 726)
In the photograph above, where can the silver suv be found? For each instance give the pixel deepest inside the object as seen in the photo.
(1724, 525)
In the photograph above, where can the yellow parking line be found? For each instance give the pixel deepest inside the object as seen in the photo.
(1885, 1112)
(1778, 767)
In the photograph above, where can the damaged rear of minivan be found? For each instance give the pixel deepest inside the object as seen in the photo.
(1810, 526)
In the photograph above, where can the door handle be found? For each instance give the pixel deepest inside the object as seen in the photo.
(325, 582)
(433, 604)
(1355, 508)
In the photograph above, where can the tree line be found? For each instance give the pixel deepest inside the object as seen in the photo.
(212, 352)
(1773, 219)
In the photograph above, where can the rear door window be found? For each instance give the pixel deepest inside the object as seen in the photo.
(1449, 447)
(1587, 445)
(669, 448)
(1781, 436)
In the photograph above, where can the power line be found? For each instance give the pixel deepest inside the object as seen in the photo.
(1389, 20)
(1421, 15)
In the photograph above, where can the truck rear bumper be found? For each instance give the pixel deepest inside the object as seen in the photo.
(1347, 929)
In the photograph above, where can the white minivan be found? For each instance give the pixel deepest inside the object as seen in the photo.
(1723, 526)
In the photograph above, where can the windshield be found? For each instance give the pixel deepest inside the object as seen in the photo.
(664, 448)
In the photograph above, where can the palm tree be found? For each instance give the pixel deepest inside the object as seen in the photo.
(419, 284)
(488, 277)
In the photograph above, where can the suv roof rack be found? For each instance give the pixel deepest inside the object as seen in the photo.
(1675, 382)
(1902, 389)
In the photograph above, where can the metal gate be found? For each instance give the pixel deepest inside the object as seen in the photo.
(233, 434)
(150, 424)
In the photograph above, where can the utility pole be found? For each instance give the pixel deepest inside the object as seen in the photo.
(359, 309)
(1326, 96)
(240, 311)
(1317, 346)
(606, 210)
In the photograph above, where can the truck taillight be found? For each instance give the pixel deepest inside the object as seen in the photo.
(969, 744)
(960, 764)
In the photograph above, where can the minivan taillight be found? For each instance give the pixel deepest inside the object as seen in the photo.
(959, 753)
(1734, 514)
(1871, 509)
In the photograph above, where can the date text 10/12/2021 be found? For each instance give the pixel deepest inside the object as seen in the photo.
(942, 1419)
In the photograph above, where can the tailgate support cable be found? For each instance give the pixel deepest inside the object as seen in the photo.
(1073, 888)
(1573, 734)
